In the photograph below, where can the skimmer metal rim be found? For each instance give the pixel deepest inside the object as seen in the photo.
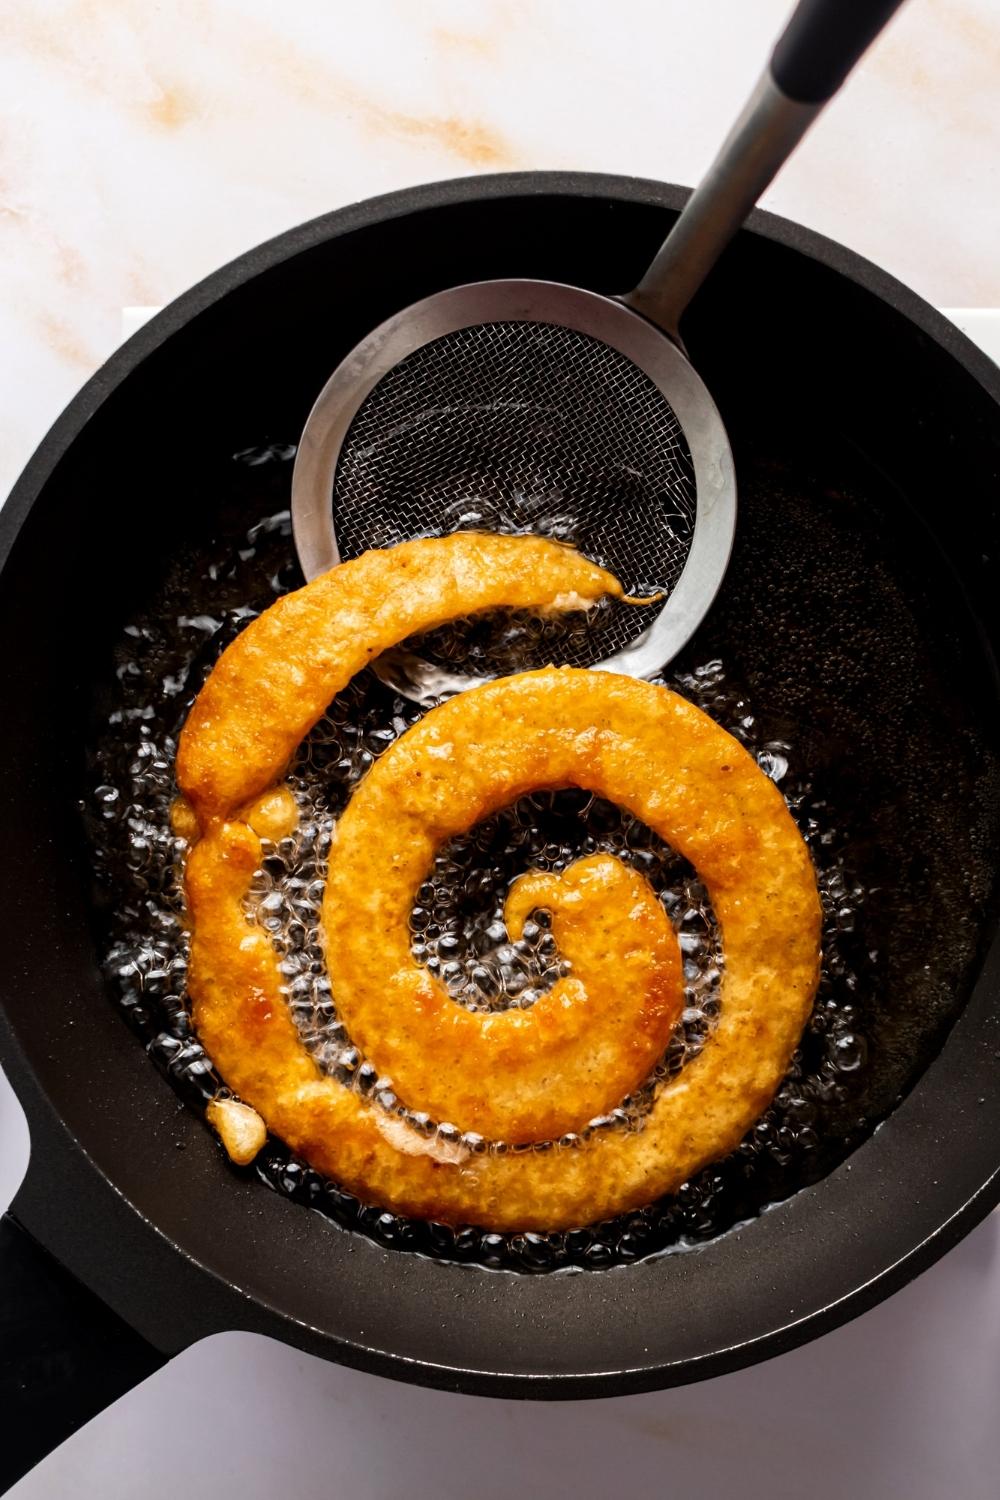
(522, 301)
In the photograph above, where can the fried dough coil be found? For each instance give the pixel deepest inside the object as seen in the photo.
(269, 688)
(515, 1075)
(642, 747)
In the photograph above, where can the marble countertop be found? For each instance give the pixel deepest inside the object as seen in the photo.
(143, 144)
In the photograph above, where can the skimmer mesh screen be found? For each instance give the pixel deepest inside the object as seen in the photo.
(517, 426)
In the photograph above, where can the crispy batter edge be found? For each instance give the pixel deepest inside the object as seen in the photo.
(272, 684)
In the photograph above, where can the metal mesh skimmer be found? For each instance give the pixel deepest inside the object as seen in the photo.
(525, 406)
(524, 427)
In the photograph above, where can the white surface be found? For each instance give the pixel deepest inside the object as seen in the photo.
(141, 146)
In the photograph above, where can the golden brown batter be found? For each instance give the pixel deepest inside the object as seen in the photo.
(269, 688)
(642, 747)
(517, 1075)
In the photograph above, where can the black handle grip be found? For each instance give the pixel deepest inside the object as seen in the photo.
(822, 42)
(64, 1355)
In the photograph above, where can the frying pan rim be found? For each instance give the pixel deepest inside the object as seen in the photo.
(179, 314)
(282, 247)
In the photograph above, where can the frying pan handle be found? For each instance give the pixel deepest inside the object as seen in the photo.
(64, 1355)
(818, 48)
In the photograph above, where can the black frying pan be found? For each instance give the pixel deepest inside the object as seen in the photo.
(858, 388)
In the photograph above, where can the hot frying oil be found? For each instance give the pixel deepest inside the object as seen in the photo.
(854, 1060)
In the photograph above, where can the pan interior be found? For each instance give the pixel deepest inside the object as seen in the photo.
(819, 656)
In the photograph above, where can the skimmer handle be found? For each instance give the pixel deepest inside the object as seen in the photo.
(818, 48)
(822, 42)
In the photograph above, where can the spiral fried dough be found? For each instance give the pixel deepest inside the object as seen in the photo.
(641, 746)
(515, 1075)
(271, 685)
